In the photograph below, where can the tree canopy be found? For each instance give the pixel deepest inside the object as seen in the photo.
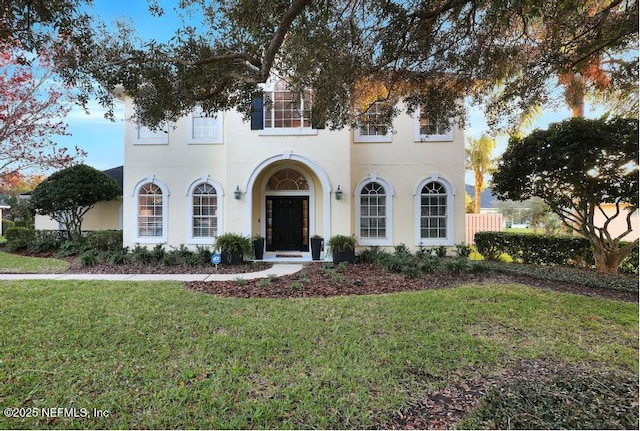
(507, 55)
(67, 195)
(32, 107)
(577, 167)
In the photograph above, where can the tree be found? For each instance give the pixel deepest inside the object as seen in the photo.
(430, 53)
(478, 159)
(67, 195)
(577, 166)
(32, 106)
(427, 53)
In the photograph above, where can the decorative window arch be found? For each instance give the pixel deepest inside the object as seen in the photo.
(287, 179)
(434, 212)
(374, 211)
(204, 198)
(151, 210)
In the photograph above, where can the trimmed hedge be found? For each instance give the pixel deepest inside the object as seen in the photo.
(544, 250)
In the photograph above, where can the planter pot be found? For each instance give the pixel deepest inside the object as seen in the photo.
(348, 256)
(231, 258)
(258, 248)
(316, 247)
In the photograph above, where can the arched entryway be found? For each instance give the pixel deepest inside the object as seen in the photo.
(288, 201)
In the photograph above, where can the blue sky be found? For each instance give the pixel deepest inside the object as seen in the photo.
(103, 139)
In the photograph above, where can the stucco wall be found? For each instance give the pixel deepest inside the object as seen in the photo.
(328, 159)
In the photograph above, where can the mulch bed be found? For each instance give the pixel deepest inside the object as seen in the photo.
(369, 279)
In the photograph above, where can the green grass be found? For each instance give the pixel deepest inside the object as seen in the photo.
(155, 355)
(16, 264)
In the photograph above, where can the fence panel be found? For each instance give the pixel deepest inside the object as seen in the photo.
(482, 223)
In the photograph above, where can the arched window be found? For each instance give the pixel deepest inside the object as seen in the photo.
(287, 179)
(204, 221)
(373, 212)
(151, 211)
(434, 202)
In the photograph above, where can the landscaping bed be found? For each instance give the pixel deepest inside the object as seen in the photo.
(323, 279)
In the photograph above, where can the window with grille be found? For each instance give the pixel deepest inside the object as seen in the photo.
(284, 110)
(204, 211)
(150, 211)
(373, 211)
(433, 211)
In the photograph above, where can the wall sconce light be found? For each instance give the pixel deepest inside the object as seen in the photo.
(237, 193)
(338, 193)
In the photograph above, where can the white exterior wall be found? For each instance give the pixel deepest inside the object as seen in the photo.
(328, 159)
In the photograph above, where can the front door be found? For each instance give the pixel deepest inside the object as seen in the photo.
(287, 221)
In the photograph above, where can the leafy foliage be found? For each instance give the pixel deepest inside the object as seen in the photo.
(577, 166)
(350, 53)
(67, 195)
(32, 105)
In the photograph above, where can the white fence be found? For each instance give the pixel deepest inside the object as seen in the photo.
(482, 223)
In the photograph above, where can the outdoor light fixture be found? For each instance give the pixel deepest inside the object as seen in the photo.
(338, 193)
(237, 193)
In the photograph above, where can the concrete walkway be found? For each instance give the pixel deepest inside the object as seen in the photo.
(278, 269)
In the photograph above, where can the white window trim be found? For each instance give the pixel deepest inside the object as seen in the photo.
(418, 137)
(165, 212)
(204, 240)
(269, 89)
(389, 192)
(218, 117)
(161, 136)
(359, 138)
(449, 239)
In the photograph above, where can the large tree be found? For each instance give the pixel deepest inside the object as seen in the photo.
(67, 195)
(32, 110)
(506, 54)
(432, 53)
(577, 166)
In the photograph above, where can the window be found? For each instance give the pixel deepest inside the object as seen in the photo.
(373, 127)
(428, 130)
(144, 135)
(434, 207)
(279, 111)
(150, 211)
(204, 128)
(373, 213)
(287, 179)
(205, 211)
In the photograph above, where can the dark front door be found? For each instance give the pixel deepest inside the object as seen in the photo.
(287, 218)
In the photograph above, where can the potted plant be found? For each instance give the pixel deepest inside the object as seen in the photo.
(232, 247)
(258, 246)
(316, 246)
(343, 248)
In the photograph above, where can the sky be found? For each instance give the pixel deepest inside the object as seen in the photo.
(103, 139)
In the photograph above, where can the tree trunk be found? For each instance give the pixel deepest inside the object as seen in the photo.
(478, 190)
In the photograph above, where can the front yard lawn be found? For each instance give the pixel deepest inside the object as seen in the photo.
(16, 264)
(157, 355)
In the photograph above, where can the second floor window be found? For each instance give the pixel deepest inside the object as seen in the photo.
(282, 110)
(427, 129)
(205, 128)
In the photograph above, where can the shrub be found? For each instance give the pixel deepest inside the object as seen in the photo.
(73, 247)
(46, 240)
(18, 238)
(89, 258)
(141, 255)
(104, 240)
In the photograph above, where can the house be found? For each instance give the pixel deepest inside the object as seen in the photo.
(2, 208)
(283, 177)
(104, 215)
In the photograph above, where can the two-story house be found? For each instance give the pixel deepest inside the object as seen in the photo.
(284, 178)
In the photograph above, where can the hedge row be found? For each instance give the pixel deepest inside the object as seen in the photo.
(543, 250)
